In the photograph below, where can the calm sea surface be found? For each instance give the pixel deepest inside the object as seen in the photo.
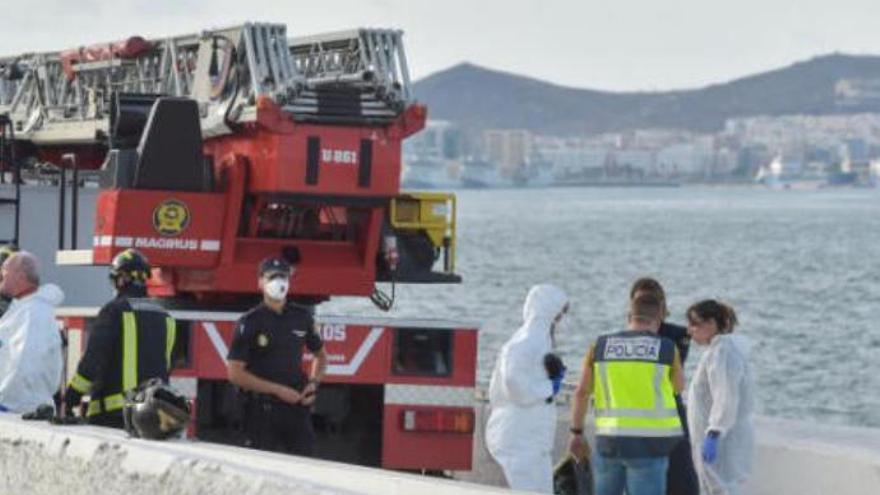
(801, 268)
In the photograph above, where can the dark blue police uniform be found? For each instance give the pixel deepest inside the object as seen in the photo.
(271, 344)
(681, 478)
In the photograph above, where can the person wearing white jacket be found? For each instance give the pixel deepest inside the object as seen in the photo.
(522, 424)
(720, 401)
(30, 342)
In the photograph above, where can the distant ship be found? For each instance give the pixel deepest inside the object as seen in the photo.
(429, 173)
(481, 174)
(789, 174)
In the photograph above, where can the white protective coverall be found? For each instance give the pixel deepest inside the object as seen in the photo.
(30, 350)
(522, 425)
(720, 398)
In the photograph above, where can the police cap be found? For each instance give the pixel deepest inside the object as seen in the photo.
(275, 265)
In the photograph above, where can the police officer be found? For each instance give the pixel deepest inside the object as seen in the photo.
(633, 376)
(681, 478)
(129, 343)
(5, 252)
(265, 361)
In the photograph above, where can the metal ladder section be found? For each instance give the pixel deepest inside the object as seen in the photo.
(69, 90)
(365, 65)
(7, 163)
(63, 97)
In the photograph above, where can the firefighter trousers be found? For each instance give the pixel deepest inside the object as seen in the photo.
(278, 427)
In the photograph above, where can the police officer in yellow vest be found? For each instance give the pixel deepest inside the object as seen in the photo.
(129, 342)
(633, 377)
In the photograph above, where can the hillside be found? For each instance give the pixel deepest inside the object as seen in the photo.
(477, 98)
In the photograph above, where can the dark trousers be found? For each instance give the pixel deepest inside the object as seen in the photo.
(681, 479)
(278, 427)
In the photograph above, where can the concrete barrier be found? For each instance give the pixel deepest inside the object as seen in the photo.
(792, 457)
(815, 459)
(39, 458)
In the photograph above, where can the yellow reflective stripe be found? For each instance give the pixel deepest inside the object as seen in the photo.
(600, 385)
(170, 336)
(129, 351)
(637, 413)
(80, 383)
(110, 403)
(623, 424)
(640, 432)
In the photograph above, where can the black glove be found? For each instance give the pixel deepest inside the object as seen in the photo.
(42, 413)
(553, 365)
(72, 400)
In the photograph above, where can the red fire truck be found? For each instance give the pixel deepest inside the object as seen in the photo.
(215, 150)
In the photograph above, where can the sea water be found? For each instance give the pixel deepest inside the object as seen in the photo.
(801, 268)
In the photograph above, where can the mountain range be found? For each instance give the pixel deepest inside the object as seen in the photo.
(476, 98)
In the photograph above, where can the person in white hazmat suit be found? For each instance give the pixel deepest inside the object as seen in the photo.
(720, 401)
(522, 424)
(30, 343)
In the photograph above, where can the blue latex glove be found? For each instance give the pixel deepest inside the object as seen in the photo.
(710, 448)
(557, 382)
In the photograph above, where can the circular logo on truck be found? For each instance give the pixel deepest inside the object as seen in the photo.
(171, 217)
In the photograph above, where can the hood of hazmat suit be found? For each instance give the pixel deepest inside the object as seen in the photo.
(30, 350)
(522, 424)
(721, 398)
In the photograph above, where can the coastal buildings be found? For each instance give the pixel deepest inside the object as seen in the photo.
(831, 150)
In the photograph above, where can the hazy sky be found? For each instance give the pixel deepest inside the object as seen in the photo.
(601, 44)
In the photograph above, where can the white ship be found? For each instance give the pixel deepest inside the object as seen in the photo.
(429, 173)
(481, 174)
(789, 174)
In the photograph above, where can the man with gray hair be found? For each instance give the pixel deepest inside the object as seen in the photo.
(30, 344)
(5, 252)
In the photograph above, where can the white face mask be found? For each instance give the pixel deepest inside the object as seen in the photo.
(276, 289)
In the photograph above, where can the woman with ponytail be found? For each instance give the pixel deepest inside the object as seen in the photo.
(720, 400)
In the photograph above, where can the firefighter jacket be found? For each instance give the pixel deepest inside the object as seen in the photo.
(129, 343)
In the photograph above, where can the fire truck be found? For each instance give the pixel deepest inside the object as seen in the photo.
(214, 150)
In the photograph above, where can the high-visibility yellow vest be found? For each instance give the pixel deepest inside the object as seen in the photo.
(633, 396)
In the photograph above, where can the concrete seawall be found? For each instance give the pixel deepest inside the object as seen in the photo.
(792, 457)
(38, 458)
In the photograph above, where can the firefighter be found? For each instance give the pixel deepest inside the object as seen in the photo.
(265, 362)
(129, 343)
(5, 252)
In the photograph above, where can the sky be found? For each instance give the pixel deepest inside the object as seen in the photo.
(616, 45)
